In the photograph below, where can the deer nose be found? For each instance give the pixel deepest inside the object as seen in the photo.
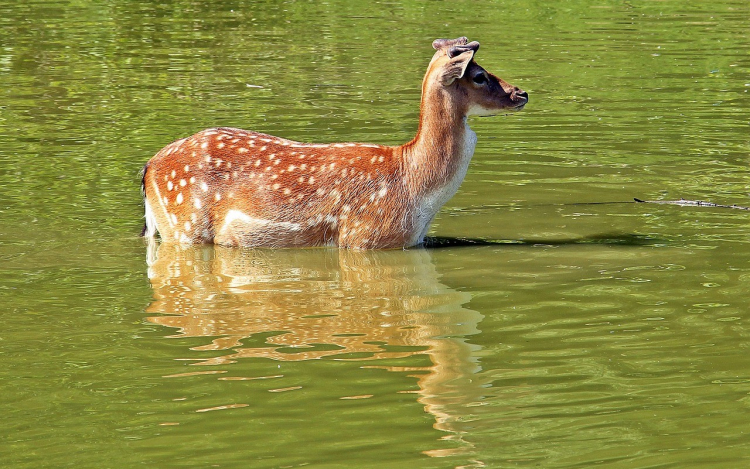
(519, 95)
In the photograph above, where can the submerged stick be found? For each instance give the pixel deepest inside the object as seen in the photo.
(690, 203)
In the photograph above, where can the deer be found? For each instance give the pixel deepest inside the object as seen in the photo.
(242, 188)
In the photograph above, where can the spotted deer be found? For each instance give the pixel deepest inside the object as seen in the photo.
(241, 188)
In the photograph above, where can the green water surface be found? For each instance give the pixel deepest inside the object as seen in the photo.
(590, 331)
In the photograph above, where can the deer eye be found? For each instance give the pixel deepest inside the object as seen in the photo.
(480, 79)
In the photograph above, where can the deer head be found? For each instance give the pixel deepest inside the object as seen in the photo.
(474, 91)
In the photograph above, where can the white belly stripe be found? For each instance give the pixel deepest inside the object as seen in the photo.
(256, 223)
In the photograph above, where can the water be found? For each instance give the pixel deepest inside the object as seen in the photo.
(594, 331)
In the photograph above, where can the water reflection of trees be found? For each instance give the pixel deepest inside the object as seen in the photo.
(315, 303)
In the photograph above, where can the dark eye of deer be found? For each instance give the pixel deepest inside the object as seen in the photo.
(480, 79)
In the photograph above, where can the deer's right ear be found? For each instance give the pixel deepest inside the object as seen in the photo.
(456, 67)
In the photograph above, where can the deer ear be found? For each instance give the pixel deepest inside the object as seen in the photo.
(456, 67)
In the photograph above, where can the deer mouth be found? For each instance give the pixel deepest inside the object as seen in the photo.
(520, 98)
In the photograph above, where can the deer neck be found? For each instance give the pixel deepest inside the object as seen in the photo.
(437, 159)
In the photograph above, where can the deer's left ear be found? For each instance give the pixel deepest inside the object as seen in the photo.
(456, 67)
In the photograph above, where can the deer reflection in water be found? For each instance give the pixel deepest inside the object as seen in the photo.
(319, 303)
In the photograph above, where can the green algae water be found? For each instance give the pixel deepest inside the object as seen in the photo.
(586, 330)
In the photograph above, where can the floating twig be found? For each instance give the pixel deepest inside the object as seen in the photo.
(690, 203)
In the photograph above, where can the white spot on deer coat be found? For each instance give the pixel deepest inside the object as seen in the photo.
(330, 219)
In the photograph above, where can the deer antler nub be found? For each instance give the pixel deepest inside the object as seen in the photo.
(455, 47)
(439, 44)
